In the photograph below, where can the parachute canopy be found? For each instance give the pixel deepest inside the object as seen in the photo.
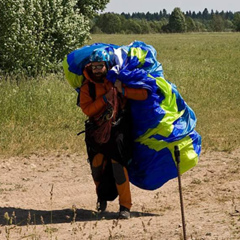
(160, 122)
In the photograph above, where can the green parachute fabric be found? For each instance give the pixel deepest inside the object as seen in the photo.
(160, 122)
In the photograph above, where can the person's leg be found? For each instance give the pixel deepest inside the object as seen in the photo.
(97, 168)
(123, 186)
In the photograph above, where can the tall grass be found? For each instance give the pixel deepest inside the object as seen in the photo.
(41, 114)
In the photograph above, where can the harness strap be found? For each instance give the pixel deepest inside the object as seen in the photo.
(92, 92)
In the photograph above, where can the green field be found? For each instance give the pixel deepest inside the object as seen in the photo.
(41, 115)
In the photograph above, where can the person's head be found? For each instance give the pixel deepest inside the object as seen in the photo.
(100, 60)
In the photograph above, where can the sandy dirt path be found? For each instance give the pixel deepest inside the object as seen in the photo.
(53, 197)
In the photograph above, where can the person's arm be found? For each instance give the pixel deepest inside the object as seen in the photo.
(88, 105)
(131, 93)
(135, 94)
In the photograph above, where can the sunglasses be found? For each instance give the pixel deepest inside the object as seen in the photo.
(97, 67)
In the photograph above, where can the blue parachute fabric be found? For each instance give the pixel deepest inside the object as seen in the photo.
(184, 124)
(160, 122)
(154, 171)
(150, 61)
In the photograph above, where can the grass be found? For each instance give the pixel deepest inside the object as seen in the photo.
(38, 115)
(41, 114)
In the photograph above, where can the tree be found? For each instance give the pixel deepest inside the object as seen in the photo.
(199, 15)
(89, 8)
(188, 14)
(194, 15)
(109, 23)
(228, 25)
(200, 27)
(191, 26)
(229, 15)
(132, 26)
(148, 16)
(35, 35)
(217, 23)
(205, 14)
(177, 21)
(156, 26)
(164, 13)
(236, 21)
(145, 27)
(126, 15)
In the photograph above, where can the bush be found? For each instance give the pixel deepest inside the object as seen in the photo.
(35, 35)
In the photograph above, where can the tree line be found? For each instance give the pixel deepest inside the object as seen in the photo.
(163, 22)
(205, 14)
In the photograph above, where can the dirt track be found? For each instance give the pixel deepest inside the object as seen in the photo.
(39, 193)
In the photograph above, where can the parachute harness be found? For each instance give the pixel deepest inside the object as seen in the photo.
(103, 132)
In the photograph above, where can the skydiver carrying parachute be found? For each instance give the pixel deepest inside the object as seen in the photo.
(136, 117)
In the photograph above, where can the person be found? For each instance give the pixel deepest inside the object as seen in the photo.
(108, 131)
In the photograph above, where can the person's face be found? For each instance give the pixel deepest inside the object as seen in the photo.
(99, 69)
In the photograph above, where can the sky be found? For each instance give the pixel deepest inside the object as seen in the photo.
(130, 6)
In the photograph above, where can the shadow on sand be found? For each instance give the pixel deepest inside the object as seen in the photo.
(23, 217)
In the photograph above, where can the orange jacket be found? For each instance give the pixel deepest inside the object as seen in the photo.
(94, 108)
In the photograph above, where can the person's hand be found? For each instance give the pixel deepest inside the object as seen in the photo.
(118, 85)
(109, 95)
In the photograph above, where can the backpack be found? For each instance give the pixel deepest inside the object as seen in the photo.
(92, 92)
